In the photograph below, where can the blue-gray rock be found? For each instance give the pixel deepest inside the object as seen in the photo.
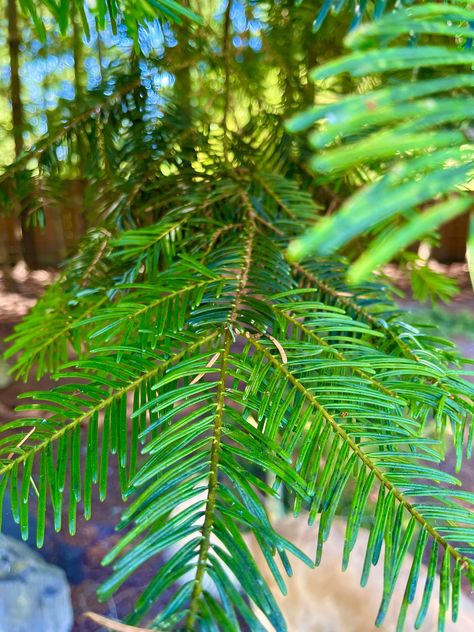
(54, 551)
(34, 596)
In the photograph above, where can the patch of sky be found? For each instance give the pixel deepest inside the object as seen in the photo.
(255, 43)
(50, 98)
(36, 46)
(5, 74)
(238, 16)
(247, 21)
(61, 152)
(170, 37)
(94, 75)
(66, 90)
(42, 125)
(152, 39)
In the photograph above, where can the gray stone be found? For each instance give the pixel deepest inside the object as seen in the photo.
(54, 551)
(34, 596)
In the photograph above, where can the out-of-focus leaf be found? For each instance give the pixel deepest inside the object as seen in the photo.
(132, 12)
(412, 138)
(470, 249)
(385, 248)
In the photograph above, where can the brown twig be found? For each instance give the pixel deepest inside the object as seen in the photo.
(112, 624)
(27, 436)
(211, 362)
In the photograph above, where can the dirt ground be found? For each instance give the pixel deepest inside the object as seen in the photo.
(18, 292)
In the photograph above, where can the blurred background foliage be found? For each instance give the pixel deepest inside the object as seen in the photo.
(74, 57)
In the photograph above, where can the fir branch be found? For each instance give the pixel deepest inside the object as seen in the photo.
(212, 486)
(32, 450)
(379, 474)
(75, 121)
(338, 354)
(252, 211)
(275, 197)
(347, 302)
(244, 273)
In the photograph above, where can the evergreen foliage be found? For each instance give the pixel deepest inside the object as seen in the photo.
(217, 370)
(415, 123)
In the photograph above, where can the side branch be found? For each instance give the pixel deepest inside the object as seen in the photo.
(213, 484)
(75, 121)
(217, 429)
(32, 450)
(346, 301)
(355, 448)
(244, 273)
(338, 354)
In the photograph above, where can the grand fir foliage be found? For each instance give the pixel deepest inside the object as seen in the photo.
(214, 366)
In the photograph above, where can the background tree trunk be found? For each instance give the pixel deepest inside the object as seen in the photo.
(27, 238)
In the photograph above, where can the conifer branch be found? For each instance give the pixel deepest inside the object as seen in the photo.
(379, 474)
(30, 451)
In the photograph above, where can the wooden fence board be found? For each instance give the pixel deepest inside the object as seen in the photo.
(64, 225)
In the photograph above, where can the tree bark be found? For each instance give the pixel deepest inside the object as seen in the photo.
(27, 236)
(15, 86)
